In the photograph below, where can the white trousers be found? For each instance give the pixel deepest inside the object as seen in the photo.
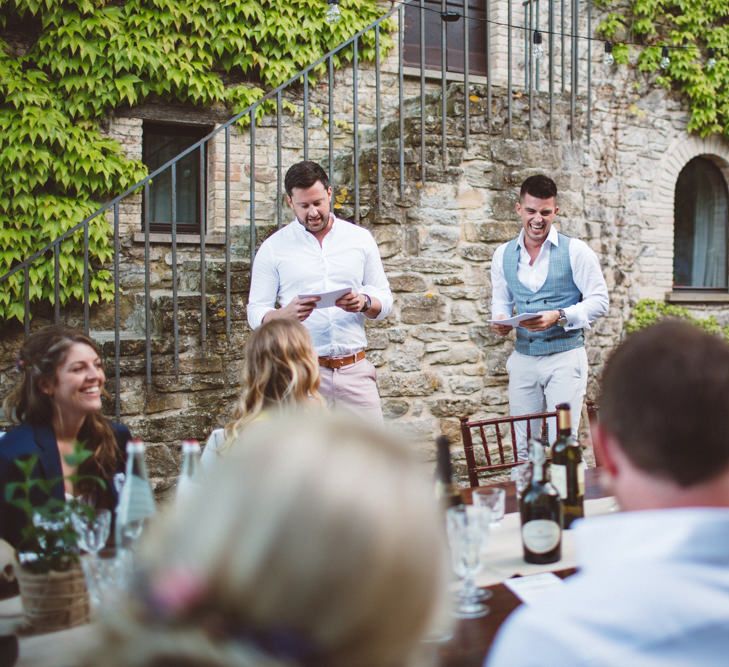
(353, 387)
(539, 383)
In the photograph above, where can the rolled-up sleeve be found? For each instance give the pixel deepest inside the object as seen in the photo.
(375, 281)
(588, 277)
(502, 301)
(264, 287)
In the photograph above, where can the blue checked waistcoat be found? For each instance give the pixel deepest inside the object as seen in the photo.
(559, 291)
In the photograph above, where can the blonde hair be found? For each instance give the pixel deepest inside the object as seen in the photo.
(319, 528)
(281, 370)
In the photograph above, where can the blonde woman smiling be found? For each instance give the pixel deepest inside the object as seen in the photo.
(281, 371)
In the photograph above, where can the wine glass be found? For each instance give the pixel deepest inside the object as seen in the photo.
(92, 528)
(465, 535)
(494, 498)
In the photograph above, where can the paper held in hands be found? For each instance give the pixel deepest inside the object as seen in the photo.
(516, 320)
(327, 299)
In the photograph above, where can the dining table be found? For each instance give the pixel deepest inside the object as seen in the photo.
(470, 640)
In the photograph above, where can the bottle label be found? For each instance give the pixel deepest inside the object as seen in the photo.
(540, 535)
(581, 478)
(558, 477)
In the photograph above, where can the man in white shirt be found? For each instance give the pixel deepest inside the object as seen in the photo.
(653, 581)
(314, 254)
(559, 278)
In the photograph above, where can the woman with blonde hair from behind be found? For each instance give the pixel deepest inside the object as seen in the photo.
(281, 371)
(316, 543)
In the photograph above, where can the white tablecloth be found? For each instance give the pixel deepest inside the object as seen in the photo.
(505, 554)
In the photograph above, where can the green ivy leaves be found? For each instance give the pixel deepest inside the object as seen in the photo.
(692, 27)
(87, 58)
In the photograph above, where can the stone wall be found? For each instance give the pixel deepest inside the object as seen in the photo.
(435, 356)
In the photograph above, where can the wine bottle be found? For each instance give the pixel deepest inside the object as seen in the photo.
(540, 508)
(190, 468)
(136, 500)
(445, 491)
(568, 468)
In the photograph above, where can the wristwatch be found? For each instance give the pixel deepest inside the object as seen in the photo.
(367, 304)
(562, 321)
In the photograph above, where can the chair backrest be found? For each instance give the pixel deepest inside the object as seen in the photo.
(497, 439)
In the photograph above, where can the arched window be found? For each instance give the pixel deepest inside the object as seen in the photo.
(701, 215)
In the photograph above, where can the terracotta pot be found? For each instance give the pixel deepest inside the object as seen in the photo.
(54, 600)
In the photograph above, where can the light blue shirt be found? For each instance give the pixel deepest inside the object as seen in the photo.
(291, 262)
(653, 591)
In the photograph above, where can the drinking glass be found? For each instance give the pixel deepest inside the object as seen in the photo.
(465, 534)
(107, 574)
(494, 498)
(92, 531)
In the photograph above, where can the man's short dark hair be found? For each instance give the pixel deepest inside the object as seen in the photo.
(539, 186)
(303, 175)
(665, 399)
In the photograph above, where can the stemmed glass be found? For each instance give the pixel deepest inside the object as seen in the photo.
(465, 536)
(92, 528)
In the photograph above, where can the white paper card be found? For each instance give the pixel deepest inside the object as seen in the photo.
(327, 299)
(533, 586)
(516, 320)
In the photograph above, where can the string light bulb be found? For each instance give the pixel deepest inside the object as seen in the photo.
(665, 59)
(538, 49)
(608, 58)
(711, 62)
(333, 12)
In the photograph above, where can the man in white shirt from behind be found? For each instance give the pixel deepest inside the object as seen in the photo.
(653, 581)
(314, 254)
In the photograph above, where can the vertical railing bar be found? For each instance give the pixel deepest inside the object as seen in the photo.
(175, 300)
(531, 66)
(252, 187)
(401, 95)
(508, 66)
(443, 91)
(203, 269)
(487, 7)
(355, 129)
(306, 115)
(147, 305)
(589, 70)
(227, 234)
(536, 27)
(527, 45)
(56, 283)
(330, 77)
(550, 23)
(422, 90)
(573, 72)
(466, 86)
(279, 166)
(26, 299)
(86, 278)
(378, 111)
(562, 39)
(117, 317)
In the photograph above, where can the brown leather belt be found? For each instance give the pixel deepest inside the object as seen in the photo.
(341, 362)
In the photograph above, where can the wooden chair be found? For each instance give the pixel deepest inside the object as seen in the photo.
(499, 448)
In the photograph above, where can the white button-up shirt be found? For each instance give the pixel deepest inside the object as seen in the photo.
(291, 262)
(652, 591)
(586, 273)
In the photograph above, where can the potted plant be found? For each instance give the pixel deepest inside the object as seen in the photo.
(51, 581)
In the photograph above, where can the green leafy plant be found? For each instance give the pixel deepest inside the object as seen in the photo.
(649, 311)
(692, 30)
(48, 540)
(78, 61)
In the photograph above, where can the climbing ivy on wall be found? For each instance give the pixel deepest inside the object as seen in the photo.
(66, 65)
(696, 26)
